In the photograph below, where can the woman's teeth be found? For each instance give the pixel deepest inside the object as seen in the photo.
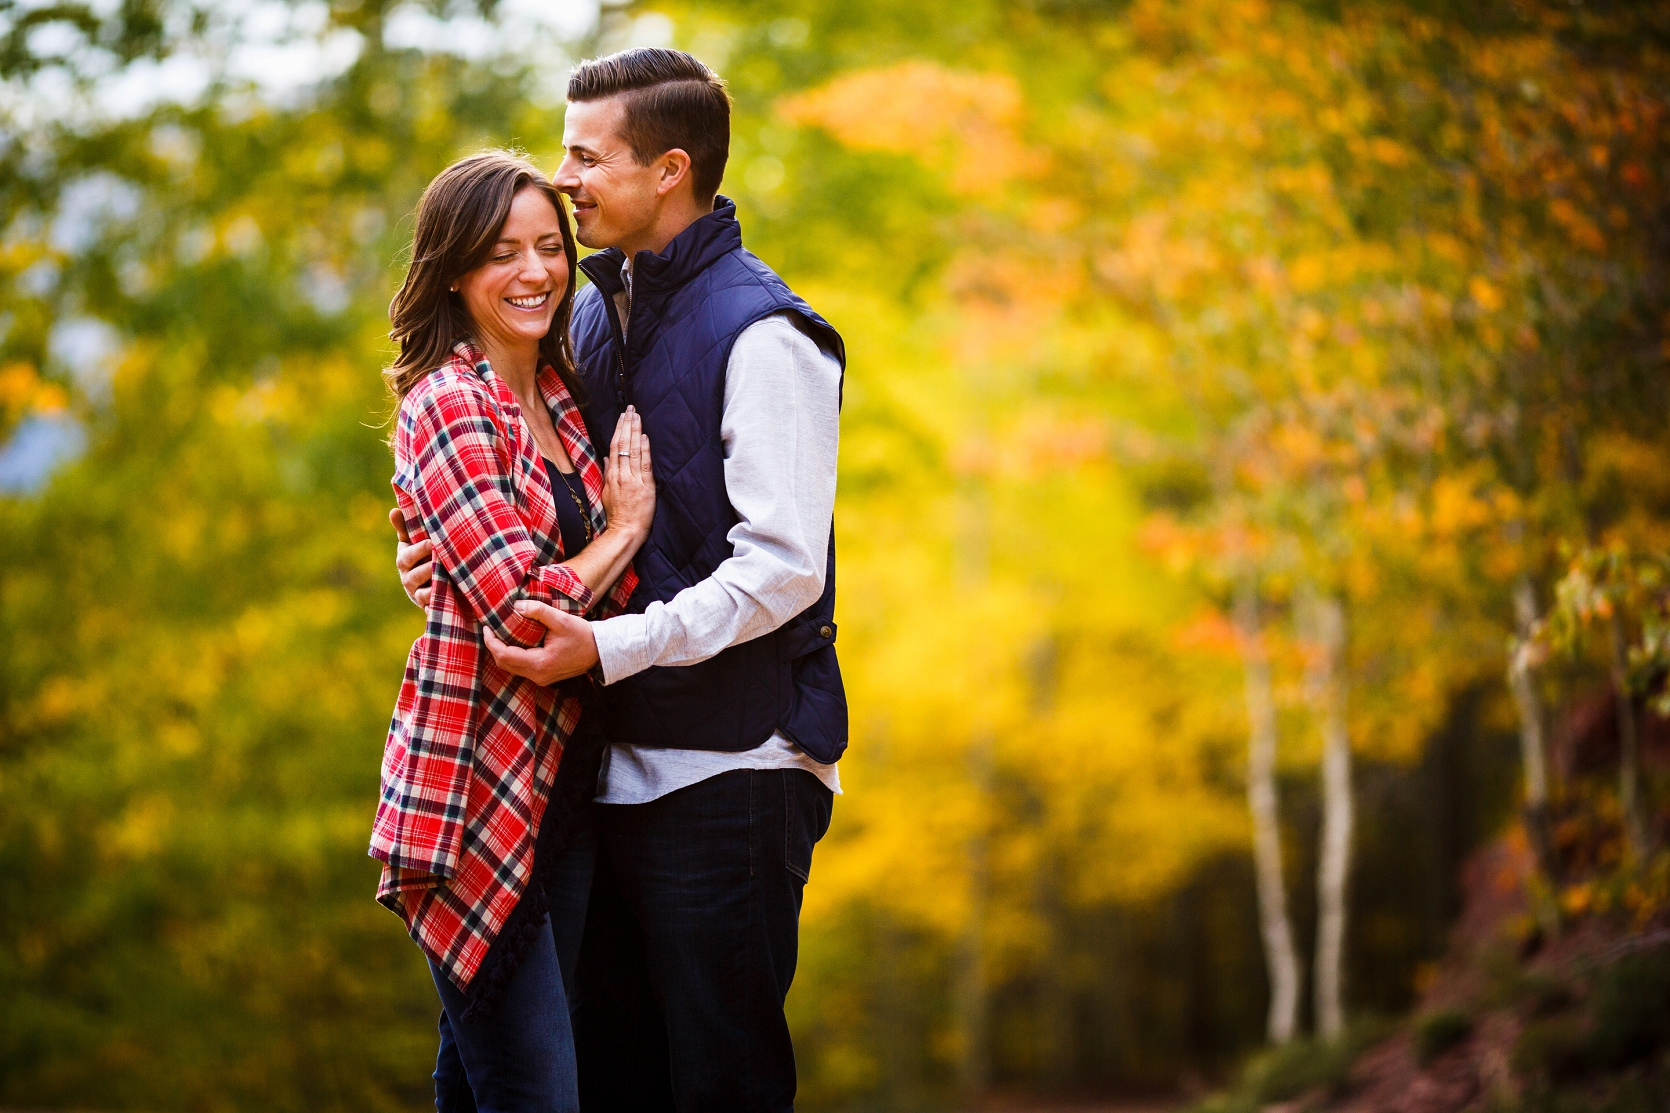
(528, 303)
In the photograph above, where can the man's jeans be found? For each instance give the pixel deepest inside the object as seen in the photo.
(690, 945)
(519, 1057)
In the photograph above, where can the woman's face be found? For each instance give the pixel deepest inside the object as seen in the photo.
(513, 295)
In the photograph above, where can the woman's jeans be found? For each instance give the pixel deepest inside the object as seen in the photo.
(519, 1057)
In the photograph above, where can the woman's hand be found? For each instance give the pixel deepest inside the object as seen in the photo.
(629, 504)
(413, 562)
(628, 478)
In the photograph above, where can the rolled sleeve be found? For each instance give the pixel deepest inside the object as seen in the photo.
(622, 646)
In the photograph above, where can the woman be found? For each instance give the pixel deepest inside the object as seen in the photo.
(486, 776)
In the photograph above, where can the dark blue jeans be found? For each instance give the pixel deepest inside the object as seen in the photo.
(519, 1057)
(690, 946)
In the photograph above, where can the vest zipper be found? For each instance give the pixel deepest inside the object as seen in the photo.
(620, 345)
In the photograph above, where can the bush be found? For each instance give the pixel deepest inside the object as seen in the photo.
(1298, 1068)
(1555, 1047)
(1437, 1032)
(1631, 1010)
(1543, 994)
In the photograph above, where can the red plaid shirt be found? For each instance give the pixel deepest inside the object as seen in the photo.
(472, 751)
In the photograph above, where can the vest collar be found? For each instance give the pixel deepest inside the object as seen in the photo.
(691, 252)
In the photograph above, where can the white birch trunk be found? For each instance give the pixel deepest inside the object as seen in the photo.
(1279, 957)
(1338, 808)
(1533, 754)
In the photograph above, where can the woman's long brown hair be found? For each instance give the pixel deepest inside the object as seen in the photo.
(458, 224)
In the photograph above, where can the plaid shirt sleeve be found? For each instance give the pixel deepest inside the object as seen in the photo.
(466, 503)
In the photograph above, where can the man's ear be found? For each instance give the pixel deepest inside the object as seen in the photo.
(675, 171)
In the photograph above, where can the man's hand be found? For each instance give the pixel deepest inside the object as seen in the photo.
(569, 648)
(413, 562)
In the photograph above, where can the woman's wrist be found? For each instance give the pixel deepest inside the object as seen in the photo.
(629, 534)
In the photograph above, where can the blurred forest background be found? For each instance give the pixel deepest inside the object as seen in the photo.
(1254, 501)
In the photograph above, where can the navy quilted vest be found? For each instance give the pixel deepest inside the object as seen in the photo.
(689, 304)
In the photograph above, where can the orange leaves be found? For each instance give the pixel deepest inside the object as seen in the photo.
(1309, 271)
(1583, 231)
(963, 123)
(1485, 295)
(1209, 631)
(1457, 506)
(1299, 447)
(1152, 255)
(1173, 544)
(1387, 151)
(1043, 446)
(23, 392)
(1314, 261)
(1008, 299)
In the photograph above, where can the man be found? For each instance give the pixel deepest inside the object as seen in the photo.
(720, 692)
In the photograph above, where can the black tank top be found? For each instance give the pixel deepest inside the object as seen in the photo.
(566, 487)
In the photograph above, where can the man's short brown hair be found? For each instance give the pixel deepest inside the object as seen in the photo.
(671, 100)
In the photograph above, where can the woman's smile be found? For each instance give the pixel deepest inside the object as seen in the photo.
(533, 302)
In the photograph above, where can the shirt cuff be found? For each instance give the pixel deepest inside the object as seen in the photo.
(623, 647)
(561, 587)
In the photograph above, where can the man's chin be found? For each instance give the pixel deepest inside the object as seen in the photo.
(591, 237)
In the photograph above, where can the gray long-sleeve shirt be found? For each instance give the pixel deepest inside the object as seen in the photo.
(780, 428)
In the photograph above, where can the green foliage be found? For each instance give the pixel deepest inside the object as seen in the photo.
(1641, 1091)
(1543, 994)
(1601, 583)
(1552, 1048)
(1301, 1068)
(1139, 297)
(1631, 1010)
(200, 633)
(1623, 1020)
(1298, 1068)
(1437, 1032)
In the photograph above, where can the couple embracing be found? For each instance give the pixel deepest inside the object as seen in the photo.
(615, 744)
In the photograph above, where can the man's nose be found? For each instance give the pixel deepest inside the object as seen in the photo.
(566, 178)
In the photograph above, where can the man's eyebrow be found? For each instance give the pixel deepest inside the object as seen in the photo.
(581, 149)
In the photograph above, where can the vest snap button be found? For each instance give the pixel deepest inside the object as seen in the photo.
(825, 631)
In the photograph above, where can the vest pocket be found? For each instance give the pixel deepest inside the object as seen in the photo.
(802, 635)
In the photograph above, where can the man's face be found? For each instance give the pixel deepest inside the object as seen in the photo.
(616, 202)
